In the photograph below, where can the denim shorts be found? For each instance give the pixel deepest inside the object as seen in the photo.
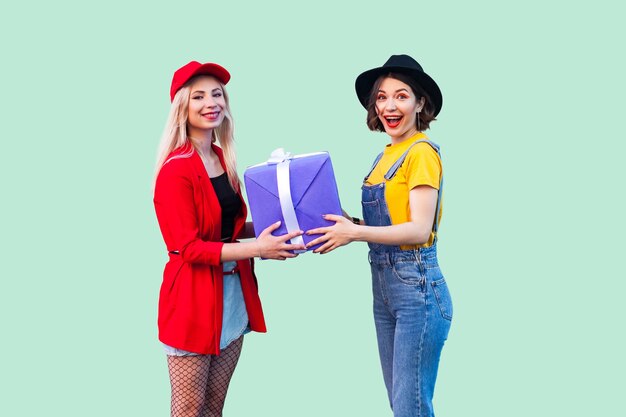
(172, 351)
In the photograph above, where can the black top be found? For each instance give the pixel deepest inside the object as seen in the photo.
(230, 203)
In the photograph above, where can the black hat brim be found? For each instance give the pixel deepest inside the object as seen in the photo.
(366, 80)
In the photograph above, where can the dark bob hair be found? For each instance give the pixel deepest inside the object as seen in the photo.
(424, 118)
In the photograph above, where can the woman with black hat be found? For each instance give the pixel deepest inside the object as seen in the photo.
(209, 296)
(401, 198)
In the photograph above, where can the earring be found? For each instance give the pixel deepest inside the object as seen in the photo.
(419, 129)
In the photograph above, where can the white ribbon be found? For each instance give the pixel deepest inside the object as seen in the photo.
(281, 159)
(279, 155)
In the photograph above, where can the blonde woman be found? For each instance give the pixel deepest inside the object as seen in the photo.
(208, 297)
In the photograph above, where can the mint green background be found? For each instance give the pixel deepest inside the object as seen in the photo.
(531, 239)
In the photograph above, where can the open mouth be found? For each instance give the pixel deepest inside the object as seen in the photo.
(211, 115)
(393, 121)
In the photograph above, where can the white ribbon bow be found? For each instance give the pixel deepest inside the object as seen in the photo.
(279, 155)
(281, 159)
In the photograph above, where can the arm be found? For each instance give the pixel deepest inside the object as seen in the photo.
(266, 246)
(174, 204)
(352, 219)
(422, 203)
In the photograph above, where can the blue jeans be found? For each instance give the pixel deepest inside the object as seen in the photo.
(412, 313)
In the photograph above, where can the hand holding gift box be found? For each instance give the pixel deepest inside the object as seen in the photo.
(295, 189)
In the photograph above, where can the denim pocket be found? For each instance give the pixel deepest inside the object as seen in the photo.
(373, 217)
(442, 294)
(371, 212)
(407, 272)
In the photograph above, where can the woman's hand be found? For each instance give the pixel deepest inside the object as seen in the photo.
(339, 234)
(275, 247)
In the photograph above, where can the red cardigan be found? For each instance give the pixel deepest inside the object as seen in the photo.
(191, 296)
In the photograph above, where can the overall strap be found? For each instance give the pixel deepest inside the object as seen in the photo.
(394, 169)
(380, 155)
(436, 222)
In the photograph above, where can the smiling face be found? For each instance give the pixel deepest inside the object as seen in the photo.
(396, 108)
(206, 106)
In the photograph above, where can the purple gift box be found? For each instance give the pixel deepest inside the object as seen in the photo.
(297, 190)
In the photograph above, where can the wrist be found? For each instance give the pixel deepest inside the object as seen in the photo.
(255, 249)
(359, 233)
(355, 233)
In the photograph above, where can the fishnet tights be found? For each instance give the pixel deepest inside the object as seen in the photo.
(199, 383)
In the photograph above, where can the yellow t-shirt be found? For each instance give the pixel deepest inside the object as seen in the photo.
(422, 166)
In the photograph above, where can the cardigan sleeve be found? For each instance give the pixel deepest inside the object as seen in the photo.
(178, 220)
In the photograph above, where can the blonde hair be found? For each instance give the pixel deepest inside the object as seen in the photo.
(175, 134)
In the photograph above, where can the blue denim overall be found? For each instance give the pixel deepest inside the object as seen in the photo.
(412, 307)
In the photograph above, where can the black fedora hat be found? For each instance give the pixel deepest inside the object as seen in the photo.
(403, 64)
